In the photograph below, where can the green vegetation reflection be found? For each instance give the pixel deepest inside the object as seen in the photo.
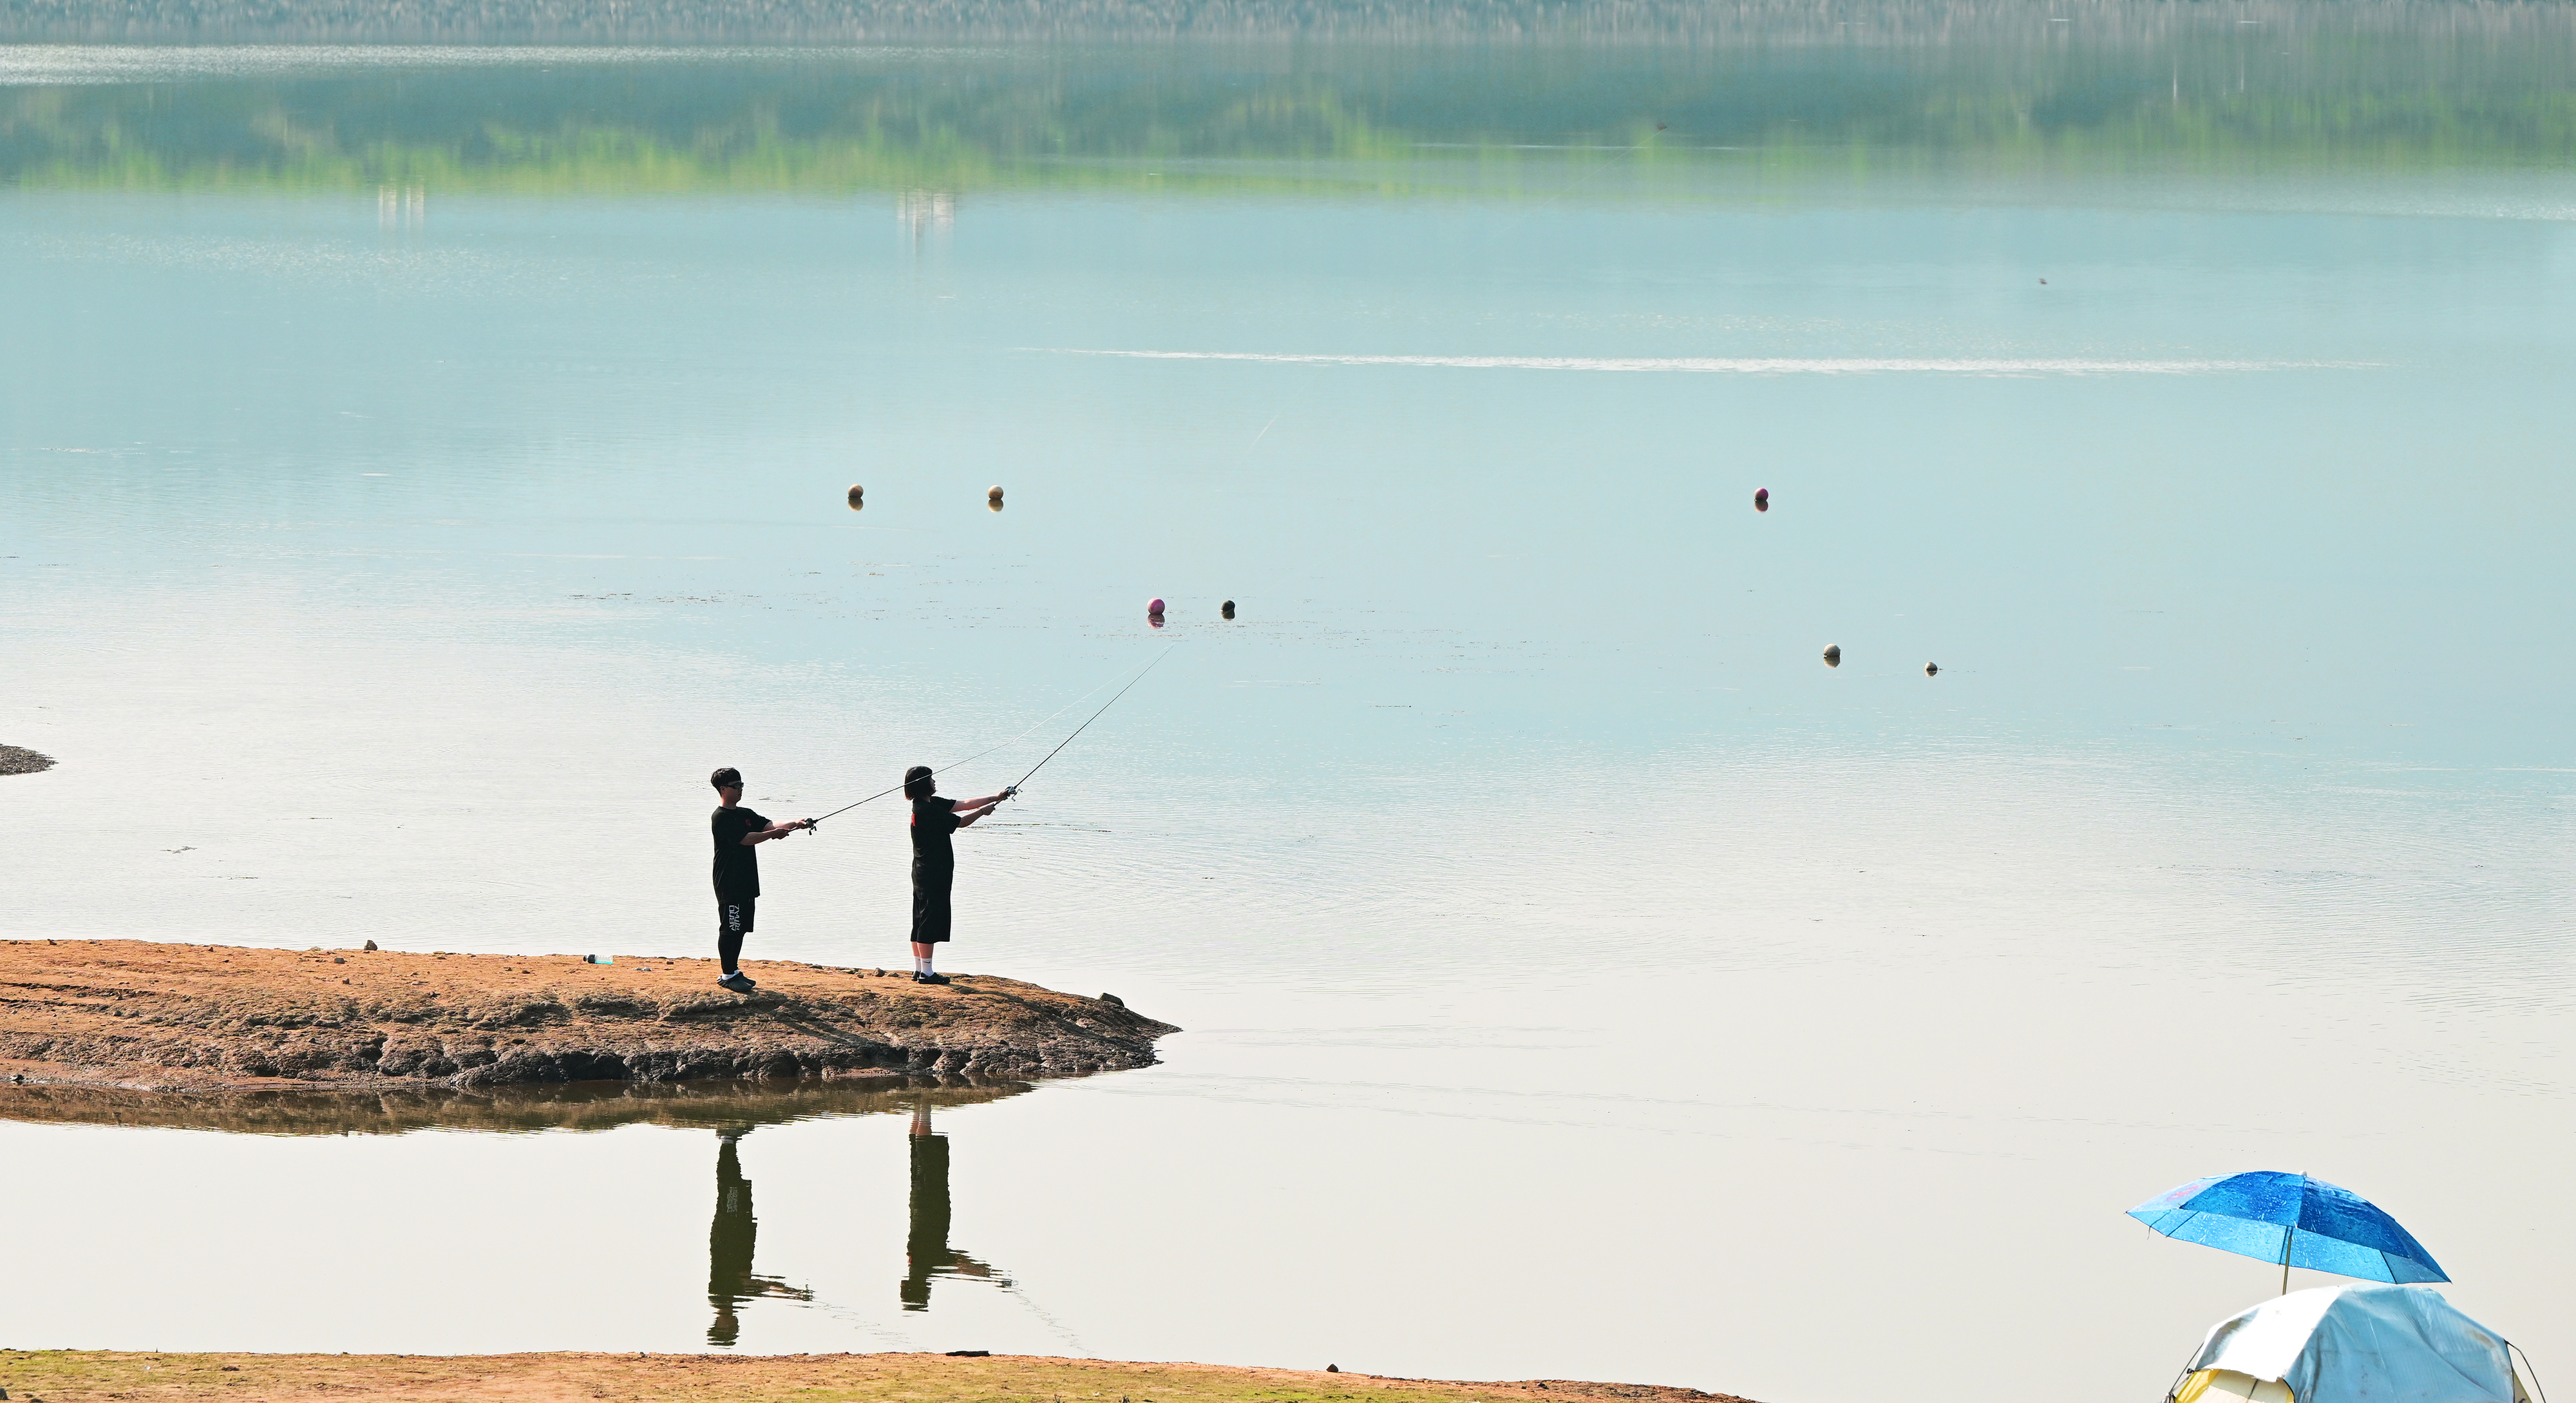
(2209, 94)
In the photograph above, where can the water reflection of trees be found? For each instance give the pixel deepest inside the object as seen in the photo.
(1598, 23)
(2137, 83)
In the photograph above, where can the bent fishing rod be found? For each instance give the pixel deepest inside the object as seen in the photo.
(812, 824)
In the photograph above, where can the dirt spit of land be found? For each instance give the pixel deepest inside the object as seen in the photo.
(17, 760)
(77, 1376)
(145, 1015)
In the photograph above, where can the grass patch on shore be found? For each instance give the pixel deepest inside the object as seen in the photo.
(79, 1376)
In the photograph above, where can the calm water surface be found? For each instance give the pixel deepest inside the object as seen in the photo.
(419, 468)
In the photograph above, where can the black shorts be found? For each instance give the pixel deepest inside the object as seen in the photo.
(733, 915)
(930, 907)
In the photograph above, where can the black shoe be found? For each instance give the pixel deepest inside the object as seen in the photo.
(738, 982)
(920, 978)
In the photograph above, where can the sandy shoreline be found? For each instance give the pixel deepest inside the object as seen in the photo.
(167, 1017)
(77, 1376)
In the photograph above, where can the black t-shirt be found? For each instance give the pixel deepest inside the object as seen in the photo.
(933, 819)
(737, 864)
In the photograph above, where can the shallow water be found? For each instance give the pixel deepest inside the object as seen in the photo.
(429, 465)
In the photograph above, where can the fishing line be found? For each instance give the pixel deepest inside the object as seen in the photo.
(1059, 711)
(980, 754)
(1085, 726)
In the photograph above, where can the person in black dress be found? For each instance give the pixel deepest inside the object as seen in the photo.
(934, 862)
(926, 1253)
(738, 831)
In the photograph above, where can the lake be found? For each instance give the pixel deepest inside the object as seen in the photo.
(421, 463)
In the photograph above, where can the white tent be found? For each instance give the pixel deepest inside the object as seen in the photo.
(2362, 1343)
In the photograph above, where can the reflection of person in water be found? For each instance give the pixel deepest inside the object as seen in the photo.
(729, 1245)
(925, 1249)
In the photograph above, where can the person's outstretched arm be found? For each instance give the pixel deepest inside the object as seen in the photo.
(775, 830)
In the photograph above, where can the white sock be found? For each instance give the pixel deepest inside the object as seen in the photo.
(921, 964)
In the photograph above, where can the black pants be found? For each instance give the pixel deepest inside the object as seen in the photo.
(733, 922)
(930, 904)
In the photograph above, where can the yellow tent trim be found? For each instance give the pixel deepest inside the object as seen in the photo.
(2229, 1386)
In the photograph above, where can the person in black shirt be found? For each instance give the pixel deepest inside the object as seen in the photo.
(934, 862)
(737, 832)
(730, 1241)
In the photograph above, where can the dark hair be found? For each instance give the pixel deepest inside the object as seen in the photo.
(916, 783)
(725, 776)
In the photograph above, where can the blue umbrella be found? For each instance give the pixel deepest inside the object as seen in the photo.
(2294, 1220)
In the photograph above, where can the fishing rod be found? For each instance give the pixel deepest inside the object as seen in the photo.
(811, 823)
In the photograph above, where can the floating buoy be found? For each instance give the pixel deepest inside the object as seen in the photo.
(992, 494)
(1833, 655)
(1931, 669)
(858, 496)
(1762, 499)
(1226, 609)
(1153, 606)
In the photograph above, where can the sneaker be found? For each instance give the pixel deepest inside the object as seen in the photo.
(920, 978)
(738, 982)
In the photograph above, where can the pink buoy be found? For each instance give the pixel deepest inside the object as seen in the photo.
(1153, 606)
(1762, 499)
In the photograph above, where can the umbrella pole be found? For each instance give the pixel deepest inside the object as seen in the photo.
(2285, 1257)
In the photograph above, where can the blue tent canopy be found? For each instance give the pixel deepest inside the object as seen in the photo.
(2265, 1214)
